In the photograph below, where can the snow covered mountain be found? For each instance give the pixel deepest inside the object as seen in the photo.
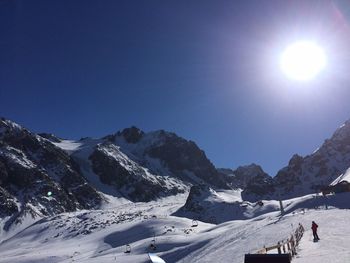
(165, 152)
(309, 174)
(89, 200)
(37, 178)
(218, 206)
(142, 166)
(42, 174)
(252, 180)
(139, 166)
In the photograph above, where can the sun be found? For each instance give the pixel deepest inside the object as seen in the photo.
(303, 60)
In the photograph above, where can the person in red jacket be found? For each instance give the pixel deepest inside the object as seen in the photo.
(314, 230)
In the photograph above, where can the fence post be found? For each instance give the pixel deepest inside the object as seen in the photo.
(294, 249)
(294, 252)
(279, 247)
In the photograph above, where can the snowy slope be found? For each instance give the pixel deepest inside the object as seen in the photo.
(334, 244)
(69, 146)
(101, 235)
(343, 177)
(208, 205)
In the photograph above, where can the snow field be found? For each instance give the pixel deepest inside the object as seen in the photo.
(101, 235)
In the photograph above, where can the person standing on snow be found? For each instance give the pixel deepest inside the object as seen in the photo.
(314, 230)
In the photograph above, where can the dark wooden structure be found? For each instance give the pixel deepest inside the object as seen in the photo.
(341, 187)
(267, 258)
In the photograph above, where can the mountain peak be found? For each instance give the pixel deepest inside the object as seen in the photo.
(9, 125)
(250, 168)
(242, 175)
(343, 132)
(295, 160)
(132, 134)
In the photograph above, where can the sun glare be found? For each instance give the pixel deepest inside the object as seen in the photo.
(302, 61)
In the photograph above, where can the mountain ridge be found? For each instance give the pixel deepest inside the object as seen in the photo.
(143, 166)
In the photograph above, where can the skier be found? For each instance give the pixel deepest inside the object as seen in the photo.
(314, 231)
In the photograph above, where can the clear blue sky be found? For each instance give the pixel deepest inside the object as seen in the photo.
(206, 70)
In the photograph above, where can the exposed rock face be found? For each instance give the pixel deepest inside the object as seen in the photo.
(7, 204)
(194, 201)
(243, 175)
(132, 134)
(51, 137)
(143, 166)
(289, 177)
(202, 204)
(37, 175)
(131, 180)
(319, 169)
(181, 155)
(311, 173)
(138, 166)
(259, 186)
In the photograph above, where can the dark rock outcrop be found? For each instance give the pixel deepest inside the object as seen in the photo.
(181, 155)
(195, 197)
(310, 174)
(128, 177)
(49, 136)
(36, 174)
(243, 175)
(259, 186)
(132, 134)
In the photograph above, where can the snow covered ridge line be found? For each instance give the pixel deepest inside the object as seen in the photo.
(35, 175)
(168, 164)
(10, 124)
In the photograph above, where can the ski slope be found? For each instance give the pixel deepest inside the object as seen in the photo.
(334, 233)
(101, 235)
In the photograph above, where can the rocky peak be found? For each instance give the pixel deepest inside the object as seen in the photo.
(296, 160)
(180, 156)
(132, 134)
(260, 185)
(305, 175)
(342, 133)
(241, 176)
(251, 169)
(31, 167)
(9, 127)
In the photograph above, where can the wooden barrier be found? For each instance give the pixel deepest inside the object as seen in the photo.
(287, 246)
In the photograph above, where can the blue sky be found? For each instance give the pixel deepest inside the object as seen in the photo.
(206, 70)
